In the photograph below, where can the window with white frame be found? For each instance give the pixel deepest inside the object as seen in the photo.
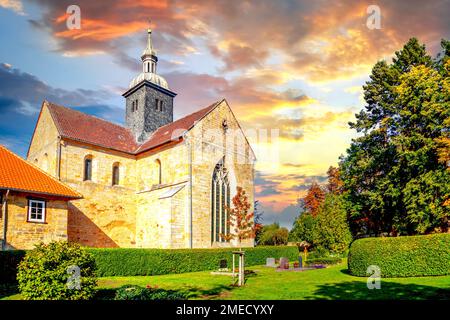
(36, 210)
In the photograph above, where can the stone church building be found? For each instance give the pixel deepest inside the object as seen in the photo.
(155, 183)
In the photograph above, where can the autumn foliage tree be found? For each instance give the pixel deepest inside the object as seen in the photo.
(241, 221)
(335, 184)
(313, 199)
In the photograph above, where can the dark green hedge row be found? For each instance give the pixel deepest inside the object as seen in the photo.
(9, 261)
(427, 255)
(141, 262)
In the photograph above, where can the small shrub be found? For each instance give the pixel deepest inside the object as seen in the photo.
(45, 272)
(412, 256)
(131, 292)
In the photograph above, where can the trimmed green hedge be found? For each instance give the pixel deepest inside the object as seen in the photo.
(410, 256)
(142, 262)
(9, 261)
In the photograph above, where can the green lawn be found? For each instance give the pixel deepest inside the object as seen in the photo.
(266, 283)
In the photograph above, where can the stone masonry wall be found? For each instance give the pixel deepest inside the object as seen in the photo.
(44, 146)
(209, 148)
(147, 118)
(106, 216)
(22, 234)
(161, 223)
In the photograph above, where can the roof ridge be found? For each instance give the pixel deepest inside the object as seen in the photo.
(39, 169)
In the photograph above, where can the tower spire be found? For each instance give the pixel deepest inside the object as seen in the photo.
(149, 101)
(149, 58)
(149, 48)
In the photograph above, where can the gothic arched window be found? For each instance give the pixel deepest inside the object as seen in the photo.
(220, 200)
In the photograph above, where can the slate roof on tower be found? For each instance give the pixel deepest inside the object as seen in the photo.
(82, 127)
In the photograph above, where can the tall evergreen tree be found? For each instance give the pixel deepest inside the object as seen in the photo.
(394, 166)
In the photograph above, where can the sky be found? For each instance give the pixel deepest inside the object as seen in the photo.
(293, 69)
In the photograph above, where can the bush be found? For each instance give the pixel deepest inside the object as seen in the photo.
(324, 260)
(401, 256)
(9, 262)
(273, 235)
(318, 253)
(46, 271)
(132, 292)
(142, 262)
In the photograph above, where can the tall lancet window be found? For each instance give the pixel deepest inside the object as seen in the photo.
(220, 200)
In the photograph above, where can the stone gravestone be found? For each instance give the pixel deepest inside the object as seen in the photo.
(270, 262)
(223, 265)
(284, 263)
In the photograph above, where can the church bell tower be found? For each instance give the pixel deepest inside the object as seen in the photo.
(149, 101)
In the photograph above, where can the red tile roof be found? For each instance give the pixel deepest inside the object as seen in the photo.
(82, 127)
(19, 175)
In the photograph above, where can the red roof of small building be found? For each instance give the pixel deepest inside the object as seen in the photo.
(19, 175)
(82, 127)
